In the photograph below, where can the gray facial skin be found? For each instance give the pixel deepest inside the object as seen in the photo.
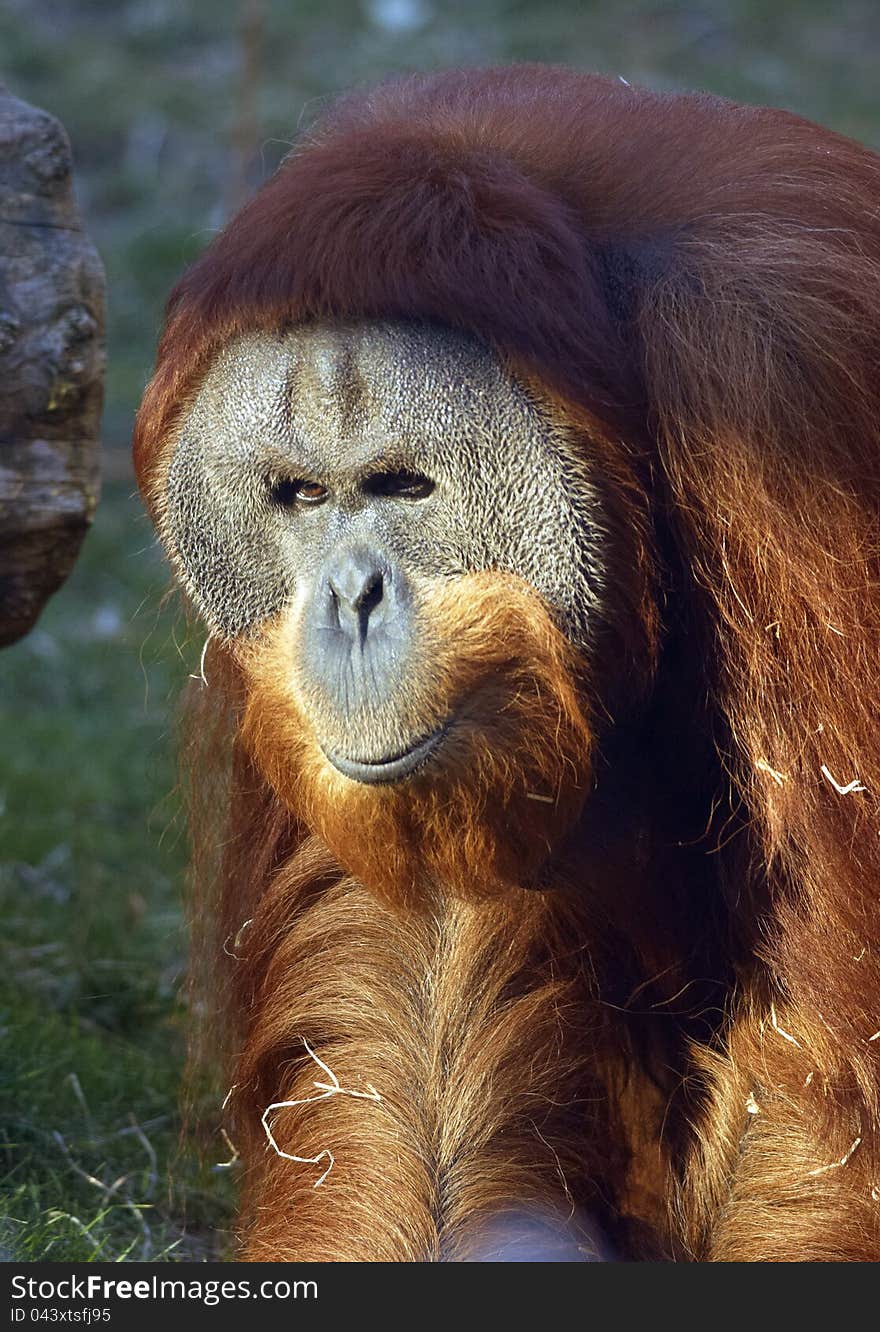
(340, 463)
(347, 405)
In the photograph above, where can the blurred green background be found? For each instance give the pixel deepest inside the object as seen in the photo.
(176, 109)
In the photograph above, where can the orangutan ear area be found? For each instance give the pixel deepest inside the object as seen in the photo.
(601, 976)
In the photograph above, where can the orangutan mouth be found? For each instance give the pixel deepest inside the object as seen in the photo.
(395, 768)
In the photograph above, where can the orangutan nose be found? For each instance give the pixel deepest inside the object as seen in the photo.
(362, 591)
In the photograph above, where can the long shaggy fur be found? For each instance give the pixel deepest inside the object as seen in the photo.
(434, 1010)
(469, 1004)
(704, 279)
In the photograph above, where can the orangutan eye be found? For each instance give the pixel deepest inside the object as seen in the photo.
(293, 492)
(399, 485)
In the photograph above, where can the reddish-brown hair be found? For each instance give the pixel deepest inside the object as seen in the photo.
(507, 786)
(703, 279)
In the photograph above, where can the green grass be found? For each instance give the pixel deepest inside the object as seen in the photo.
(92, 1031)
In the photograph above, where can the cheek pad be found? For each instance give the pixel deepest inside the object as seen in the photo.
(222, 538)
(515, 494)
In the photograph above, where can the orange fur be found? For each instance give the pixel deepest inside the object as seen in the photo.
(693, 1000)
(436, 1010)
(467, 1001)
(509, 780)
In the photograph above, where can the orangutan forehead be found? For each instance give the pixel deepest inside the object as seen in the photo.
(362, 392)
